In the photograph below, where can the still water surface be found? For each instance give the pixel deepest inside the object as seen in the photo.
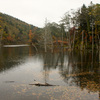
(75, 75)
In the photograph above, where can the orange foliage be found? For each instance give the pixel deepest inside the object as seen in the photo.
(59, 41)
(90, 38)
(9, 38)
(30, 34)
(85, 36)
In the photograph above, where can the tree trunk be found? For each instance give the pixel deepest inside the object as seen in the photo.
(45, 37)
(51, 43)
(92, 38)
(74, 40)
(35, 47)
(69, 41)
(82, 40)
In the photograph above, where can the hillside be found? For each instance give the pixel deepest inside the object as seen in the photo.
(15, 31)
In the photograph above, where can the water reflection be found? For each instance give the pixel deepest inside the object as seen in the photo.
(9, 57)
(76, 68)
(79, 69)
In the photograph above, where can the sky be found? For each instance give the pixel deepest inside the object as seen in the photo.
(36, 11)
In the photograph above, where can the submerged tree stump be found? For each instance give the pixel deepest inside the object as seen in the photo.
(41, 84)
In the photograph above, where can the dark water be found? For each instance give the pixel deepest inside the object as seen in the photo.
(75, 75)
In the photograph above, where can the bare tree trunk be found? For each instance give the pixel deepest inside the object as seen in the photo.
(62, 31)
(45, 45)
(82, 40)
(86, 41)
(51, 43)
(35, 47)
(74, 40)
(62, 40)
(92, 38)
(92, 46)
(45, 38)
(69, 41)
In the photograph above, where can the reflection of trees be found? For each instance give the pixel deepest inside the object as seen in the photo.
(76, 68)
(9, 57)
(85, 71)
(52, 61)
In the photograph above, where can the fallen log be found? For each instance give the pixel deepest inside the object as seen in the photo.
(41, 84)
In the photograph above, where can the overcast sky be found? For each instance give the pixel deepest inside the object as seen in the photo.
(35, 11)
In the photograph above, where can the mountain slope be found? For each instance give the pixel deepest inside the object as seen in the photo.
(15, 31)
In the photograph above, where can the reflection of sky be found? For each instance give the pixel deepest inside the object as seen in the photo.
(23, 70)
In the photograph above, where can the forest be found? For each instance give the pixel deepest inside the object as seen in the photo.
(15, 31)
(77, 29)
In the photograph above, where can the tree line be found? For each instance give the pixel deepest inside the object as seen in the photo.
(79, 28)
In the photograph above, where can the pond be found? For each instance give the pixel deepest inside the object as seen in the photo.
(28, 75)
